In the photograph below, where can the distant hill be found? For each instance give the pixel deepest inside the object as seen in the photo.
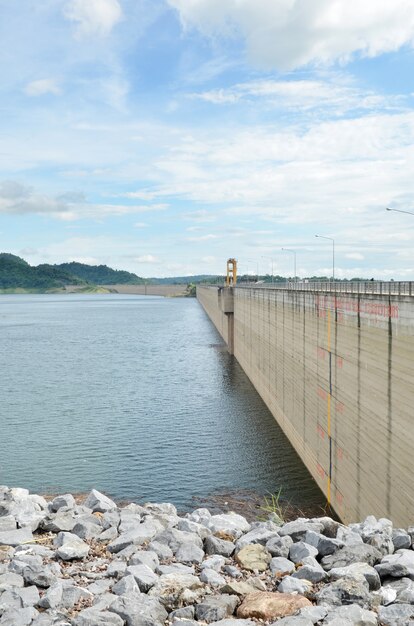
(100, 274)
(17, 273)
(183, 280)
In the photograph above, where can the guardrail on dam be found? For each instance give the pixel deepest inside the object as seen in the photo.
(336, 370)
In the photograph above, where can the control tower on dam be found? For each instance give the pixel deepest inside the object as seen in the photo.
(335, 365)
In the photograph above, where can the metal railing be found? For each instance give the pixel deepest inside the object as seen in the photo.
(392, 288)
(377, 287)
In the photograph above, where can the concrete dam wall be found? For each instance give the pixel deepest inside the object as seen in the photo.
(337, 373)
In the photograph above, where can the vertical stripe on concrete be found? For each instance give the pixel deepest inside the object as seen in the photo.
(337, 373)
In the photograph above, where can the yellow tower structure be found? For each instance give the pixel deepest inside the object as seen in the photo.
(231, 272)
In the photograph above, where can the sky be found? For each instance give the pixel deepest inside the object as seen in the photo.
(165, 136)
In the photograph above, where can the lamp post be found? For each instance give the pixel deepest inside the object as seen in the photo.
(269, 257)
(294, 261)
(257, 267)
(400, 211)
(333, 253)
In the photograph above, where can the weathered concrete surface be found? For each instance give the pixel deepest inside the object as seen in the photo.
(148, 290)
(337, 373)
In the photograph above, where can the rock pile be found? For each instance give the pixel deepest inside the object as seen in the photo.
(97, 564)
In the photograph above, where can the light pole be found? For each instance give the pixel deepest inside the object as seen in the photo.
(333, 254)
(257, 268)
(269, 257)
(400, 211)
(294, 261)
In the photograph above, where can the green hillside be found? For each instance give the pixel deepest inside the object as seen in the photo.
(16, 273)
(101, 274)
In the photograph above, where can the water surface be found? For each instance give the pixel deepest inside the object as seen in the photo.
(135, 396)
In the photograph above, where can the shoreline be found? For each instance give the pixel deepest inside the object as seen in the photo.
(95, 563)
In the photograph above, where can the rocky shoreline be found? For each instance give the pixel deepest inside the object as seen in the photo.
(97, 563)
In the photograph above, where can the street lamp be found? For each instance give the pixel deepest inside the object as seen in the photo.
(400, 211)
(257, 268)
(269, 257)
(294, 261)
(333, 253)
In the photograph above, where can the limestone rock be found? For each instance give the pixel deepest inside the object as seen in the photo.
(267, 605)
(254, 557)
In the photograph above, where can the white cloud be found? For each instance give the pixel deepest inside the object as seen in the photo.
(41, 87)
(19, 199)
(334, 93)
(356, 256)
(293, 33)
(93, 17)
(147, 258)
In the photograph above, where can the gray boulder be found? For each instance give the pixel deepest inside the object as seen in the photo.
(98, 502)
(126, 586)
(70, 547)
(396, 615)
(300, 551)
(214, 545)
(92, 617)
(399, 564)
(403, 589)
(53, 596)
(230, 524)
(65, 501)
(297, 529)
(279, 565)
(144, 576)
(355, 571)
(352, 554)
(290, 584)
(401, 539)
(280, 546)
(18, 617)
(311, 570)
(139, 610)
(216, 562)
(345, 591)
(145, 557)
(353, 615)
(16, 537)
(189, 553)
(215, 608)
(212, 578)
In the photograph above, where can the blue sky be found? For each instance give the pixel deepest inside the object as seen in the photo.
(164, 136)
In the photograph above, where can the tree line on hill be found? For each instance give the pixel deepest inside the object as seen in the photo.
(16, 273)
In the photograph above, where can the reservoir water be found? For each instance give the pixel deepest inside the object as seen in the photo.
(137, 397)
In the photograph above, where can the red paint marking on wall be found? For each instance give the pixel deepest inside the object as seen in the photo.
(320, 470)
(322, 393)
(340, 453)
(339, 497)
(379, 309)
(340, 317)
(339, 407)
(320, 431)
(339, 362)
(321, 353)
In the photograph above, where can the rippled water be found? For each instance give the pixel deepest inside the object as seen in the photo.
(136, 396)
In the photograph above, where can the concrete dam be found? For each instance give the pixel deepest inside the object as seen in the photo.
(335, 366)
